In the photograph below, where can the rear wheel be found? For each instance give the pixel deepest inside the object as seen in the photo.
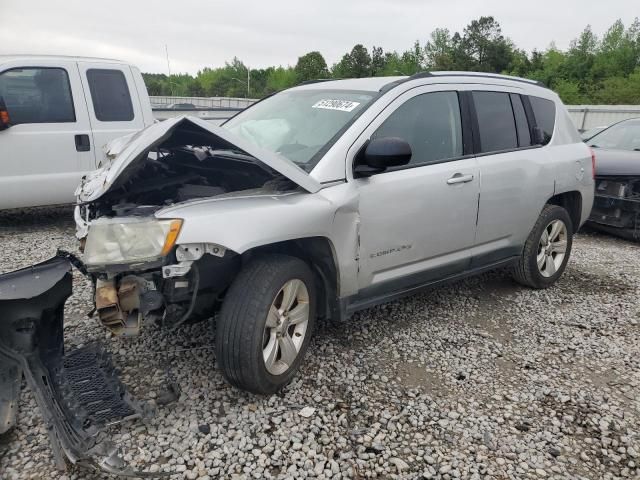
(547, 250)
(265, 323)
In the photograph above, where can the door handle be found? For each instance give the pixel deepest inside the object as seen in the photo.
(82, 143)
(459, 178)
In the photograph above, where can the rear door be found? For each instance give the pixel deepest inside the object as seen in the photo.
(110, 93)
(45, 152)
(515, 176)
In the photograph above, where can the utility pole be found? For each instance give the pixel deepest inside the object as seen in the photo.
(248, 80)
(166, 51)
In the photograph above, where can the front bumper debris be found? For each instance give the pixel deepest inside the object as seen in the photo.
(78, 392)
(616, 207)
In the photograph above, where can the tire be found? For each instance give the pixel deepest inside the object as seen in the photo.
(527, 271)
(244, 336)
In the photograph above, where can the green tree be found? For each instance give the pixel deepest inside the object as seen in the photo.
(569, 92)
(618, 52)
(279, 78)
(356, 64)
(311, 66)
(591, 70)
(485, 46)
(619, 90)
(580, 58)
(439, 50)
(413, 60)
(377, 61)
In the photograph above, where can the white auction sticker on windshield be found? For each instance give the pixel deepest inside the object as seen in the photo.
(342, 105)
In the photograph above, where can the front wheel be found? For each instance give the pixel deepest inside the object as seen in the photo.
(265, 323)
(547, 250)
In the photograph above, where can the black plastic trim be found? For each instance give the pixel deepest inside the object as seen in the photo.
(394, 289)
(473, 120)
(317, 80)
(466, 117)
(509, 150)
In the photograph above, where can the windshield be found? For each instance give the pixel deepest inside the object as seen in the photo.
(297, 124)
(621, 136)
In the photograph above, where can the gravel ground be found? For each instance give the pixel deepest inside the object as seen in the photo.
(481, 379)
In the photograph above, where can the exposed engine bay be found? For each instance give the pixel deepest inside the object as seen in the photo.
(616, 207)
(189, 164)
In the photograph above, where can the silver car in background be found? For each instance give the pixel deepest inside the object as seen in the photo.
(326, 199)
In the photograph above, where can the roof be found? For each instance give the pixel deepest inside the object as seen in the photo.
(375, 84)
(49, 58)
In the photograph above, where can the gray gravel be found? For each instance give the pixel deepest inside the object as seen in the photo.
(481, 379)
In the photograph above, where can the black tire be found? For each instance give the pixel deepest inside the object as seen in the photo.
(243, 317)
(526, 271)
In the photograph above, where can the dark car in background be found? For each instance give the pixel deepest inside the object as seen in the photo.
(616, 208)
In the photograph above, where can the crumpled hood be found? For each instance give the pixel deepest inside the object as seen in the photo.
(125, 151)
(612, 163)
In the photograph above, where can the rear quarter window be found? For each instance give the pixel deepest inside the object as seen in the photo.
(545, 113)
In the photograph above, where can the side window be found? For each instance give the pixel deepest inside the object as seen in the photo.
(522, 126)
(37, 95)
(110, 95)
(430, 123)
(496, 122)
(545, 112)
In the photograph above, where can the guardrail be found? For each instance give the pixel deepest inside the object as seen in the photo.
(203, 102)
(590, 116)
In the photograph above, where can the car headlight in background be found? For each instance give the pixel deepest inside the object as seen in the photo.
(129, 240)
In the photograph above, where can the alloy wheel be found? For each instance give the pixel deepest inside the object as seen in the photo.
(552, 248)
(286, 327)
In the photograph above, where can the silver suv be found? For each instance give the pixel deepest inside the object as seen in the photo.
(326, 199)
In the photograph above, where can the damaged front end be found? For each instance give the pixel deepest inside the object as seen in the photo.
(616, 207)
(140, 268)
(78, 392)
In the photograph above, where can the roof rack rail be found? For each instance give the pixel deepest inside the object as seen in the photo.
(317, 80)
(395, 83)
(423, 74)
(428, 74)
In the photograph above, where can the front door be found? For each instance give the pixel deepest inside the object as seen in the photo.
(47, 149)
(418, 221)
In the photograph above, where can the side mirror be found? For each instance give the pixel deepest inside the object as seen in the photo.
(381, 153)
(537, 136)
(4, 116)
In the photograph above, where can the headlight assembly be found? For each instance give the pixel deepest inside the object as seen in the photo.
(129, 240)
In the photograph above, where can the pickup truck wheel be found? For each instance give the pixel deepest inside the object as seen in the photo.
(265, 323)
(546, 252)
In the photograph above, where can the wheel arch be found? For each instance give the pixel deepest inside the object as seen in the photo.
(320, 254)
(571, 201)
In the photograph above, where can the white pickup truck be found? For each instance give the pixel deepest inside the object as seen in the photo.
(56, 115)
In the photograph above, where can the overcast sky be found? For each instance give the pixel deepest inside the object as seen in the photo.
(202, 33)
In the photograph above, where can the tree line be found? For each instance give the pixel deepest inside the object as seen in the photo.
(593, 70)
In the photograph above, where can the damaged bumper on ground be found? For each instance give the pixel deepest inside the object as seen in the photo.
(616, 207)
(78, 391)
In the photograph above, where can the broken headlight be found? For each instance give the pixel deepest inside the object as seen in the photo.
(129, 240)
